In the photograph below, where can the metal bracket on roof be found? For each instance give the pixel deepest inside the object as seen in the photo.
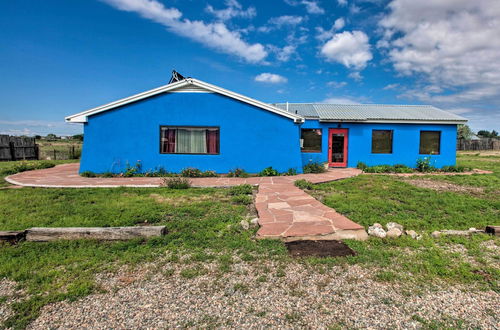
(176, 76)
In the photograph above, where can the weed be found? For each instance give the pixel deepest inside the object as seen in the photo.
(269, 171)
(242, 199)
(238, 173)
(290, 172)
(88, 174)
(303, 184)
(242, 189)
(191, 172)
(176, 183)
(314, 167)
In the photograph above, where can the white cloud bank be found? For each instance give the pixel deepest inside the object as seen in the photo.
(454, 45)
(311, 6)
(351, 49)
(270, 78)
(213, 35)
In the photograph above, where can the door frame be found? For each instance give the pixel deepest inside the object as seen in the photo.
(346, 142)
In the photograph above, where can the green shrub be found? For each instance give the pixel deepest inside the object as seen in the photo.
(362, 166)
(26, 166)
(424, 165)
(380, 169)
(108, 175)
(88, 174)
(242, 199)
(290, 172)
(176, 183)
(269, 171)
(314, 167)
(401, 168)
(242, 189)
(303, 184)
(209, 174)
(454, 168)
(238, 173)
(191, 172)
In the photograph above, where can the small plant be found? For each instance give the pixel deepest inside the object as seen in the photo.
(238, 173)
(290, 172)
(191, 172)
(424, 165)
(176, 183)
(303, 184)
(88, 174)
(401, 168)
(209, 174)
(242, 199)
(242, 189)
(314, 167)
(362, 166)
(269, 171)
(107, 175)
(454, 168)
(132, 170)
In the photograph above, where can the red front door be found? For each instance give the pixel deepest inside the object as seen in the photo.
(337, 147)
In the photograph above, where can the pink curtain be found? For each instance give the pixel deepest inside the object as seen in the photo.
(169, 144)
(212, 141)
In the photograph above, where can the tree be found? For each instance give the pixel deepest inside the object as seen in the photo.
(38, 137)
(464, 132)
(494, 133)
(51, 136)
(483, 133)
(78, 137)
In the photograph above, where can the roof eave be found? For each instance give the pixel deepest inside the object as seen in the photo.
(396, 121)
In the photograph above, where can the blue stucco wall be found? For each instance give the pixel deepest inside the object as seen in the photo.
(250, 138)
(406, 142)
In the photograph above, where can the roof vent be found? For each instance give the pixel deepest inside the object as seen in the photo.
(176, 76)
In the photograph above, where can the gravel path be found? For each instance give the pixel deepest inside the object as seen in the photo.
(258, 295)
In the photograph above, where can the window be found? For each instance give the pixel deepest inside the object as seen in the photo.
(189, 140)
(430, 142)
(310, 140)
(381, 141)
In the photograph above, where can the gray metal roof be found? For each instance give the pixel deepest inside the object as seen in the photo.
(371, 112)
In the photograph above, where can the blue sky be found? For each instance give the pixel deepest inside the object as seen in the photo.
(61, 57)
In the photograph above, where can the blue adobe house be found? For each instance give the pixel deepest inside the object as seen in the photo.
(190, 123)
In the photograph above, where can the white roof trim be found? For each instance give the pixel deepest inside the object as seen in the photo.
(82, 117)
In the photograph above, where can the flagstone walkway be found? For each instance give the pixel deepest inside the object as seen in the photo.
(285, 211)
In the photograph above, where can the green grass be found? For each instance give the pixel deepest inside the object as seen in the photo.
(8, 168)
(204, 226)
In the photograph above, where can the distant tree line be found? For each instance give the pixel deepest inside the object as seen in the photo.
(466, 133)
(53, 137)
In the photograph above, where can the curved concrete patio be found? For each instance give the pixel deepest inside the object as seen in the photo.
(285, 211)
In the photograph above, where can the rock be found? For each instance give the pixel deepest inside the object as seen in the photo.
(244, 224)
(472, 229)
(413, 234)
(418, 238)
(394, 232)
(377, 225)
(377, 231)
(391, 225)
(436, 234)
(254, 222)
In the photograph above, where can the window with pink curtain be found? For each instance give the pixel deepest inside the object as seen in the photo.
(186, 140)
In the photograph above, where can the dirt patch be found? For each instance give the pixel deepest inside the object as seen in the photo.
(319, 249)
(444, 186)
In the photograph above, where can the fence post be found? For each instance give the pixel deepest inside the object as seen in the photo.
(12, 151)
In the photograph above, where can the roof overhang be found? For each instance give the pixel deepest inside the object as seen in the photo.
(187, 85)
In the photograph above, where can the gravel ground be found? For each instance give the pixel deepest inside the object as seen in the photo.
(444, 186)
(10, 294)
(258, 295)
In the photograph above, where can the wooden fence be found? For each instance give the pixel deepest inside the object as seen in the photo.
(480, 144)
(17, 148)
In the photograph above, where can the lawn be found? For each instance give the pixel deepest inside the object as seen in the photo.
(204, 228)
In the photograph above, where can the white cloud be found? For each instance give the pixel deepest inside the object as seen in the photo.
(390, 87)
(339, 100)
(355, 76)
(286, 20)
(453, 44)
(234, 9)
(270, 78)
(213, 35)
(311, 6)
(41, 127)
(351, 49)
(336, 84)
(322, 34)
(339, 24)
(342, 3)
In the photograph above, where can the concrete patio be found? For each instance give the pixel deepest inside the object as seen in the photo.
(285, 211)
